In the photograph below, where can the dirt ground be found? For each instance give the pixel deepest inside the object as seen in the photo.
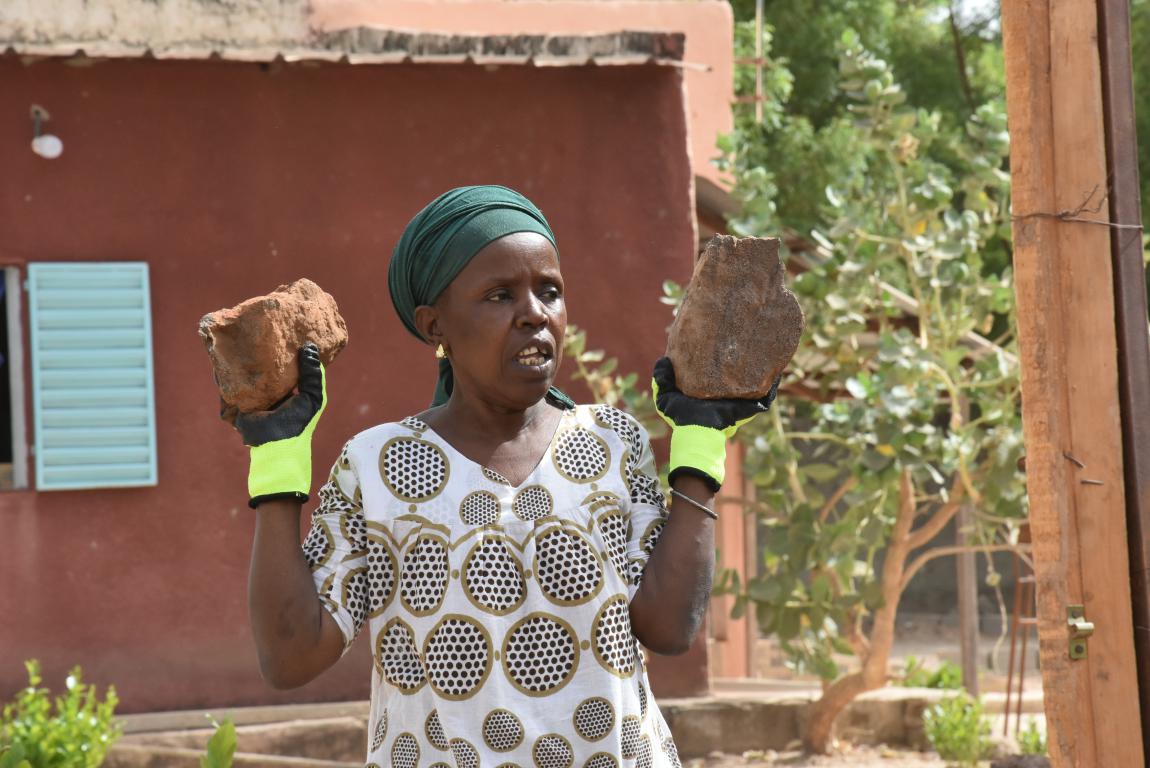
(847, 757)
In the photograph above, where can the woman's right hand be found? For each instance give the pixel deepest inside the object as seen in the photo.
(280, 438)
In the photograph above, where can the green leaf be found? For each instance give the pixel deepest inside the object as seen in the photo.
(221, 747)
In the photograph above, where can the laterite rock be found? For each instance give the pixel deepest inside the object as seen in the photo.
(738, 326)
(254, 346)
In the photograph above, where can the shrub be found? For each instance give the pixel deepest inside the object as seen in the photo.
(1032, 741)
(947, 677)
(957, 729)
(77, 734)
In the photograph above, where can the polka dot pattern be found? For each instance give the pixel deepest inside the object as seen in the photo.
(630, 737)
(601, 760)
(614, 645)
(645, 490)
(495, 477)
(492, 576)
(466, 755)
(568, 571)
(502, 731)
(425, 571)
(594, 718)
(318, 545)
(552, 751)
(479, 508)
(380, 732)
(457, 656)
(672, 752)
(621, 424)
(581, 456)
(613, 528)
(532, 503)
(413, 469)
(405, 751)
(381, 575)
(398, 657)
(353, 590)
(414, 424)
(645, 757)
(433, 729)
(540, 654)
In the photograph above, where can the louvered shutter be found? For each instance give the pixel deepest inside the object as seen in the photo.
(93, 397)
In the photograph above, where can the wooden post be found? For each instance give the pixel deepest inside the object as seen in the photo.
(730, 653)
(1071, 413)
(967, 600)
(1133, 339)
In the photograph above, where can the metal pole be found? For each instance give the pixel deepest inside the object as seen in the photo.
(758, 61)
(967, 601)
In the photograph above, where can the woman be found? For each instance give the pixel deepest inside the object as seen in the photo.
(500, 546)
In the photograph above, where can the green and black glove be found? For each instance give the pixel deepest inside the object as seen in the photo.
(700, 428)
(280, 439)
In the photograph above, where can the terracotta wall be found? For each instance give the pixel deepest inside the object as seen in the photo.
(230, 179)
(707, 24)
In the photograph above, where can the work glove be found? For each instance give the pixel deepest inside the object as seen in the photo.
(700, 428)
(280, 438)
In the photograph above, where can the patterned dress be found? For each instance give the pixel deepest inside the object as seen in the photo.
(498, 614)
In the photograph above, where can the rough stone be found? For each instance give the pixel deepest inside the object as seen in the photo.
(254, 346)
(738, 326)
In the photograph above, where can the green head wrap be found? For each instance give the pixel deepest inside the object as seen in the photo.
(442, 239)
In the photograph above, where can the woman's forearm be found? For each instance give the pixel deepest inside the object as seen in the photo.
(672, 600)
(295, 637)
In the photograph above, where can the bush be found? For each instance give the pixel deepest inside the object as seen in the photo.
(957, 729)
(77, 734)
(1032, 741)
(947, 677)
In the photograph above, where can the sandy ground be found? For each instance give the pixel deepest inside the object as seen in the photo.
(847, 757)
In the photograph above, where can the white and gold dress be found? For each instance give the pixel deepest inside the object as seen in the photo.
(498, 614)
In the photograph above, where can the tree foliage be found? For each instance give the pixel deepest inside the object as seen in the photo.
(903, 403)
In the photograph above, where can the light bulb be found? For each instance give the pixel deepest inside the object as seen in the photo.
(48, 146)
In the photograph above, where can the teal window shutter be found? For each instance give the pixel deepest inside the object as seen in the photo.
(93, 394)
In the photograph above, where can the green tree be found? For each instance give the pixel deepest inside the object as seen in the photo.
(900, 408)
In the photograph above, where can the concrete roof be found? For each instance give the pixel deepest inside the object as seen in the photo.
(266, 39)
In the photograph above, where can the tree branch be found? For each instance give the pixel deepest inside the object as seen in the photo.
(960, 56)
(928, 530)
(937, 552)
(836, 497)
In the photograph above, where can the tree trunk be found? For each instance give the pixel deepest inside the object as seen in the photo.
(820, 726)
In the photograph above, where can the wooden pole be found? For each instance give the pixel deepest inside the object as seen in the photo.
(1133, 339)
(1069, 362)
(967, 600)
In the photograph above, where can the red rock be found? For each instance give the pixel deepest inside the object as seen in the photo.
(738, 326)
(254, 346)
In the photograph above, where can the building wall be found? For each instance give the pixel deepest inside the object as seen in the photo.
(707, 24)
(230, 179)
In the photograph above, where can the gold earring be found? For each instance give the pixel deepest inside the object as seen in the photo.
(439, 353)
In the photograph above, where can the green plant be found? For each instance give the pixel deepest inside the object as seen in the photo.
(948, 676)
(1031, 740)
(902, 404)
(957, 730)
(13, 757)
(76, 733)
(221, 747)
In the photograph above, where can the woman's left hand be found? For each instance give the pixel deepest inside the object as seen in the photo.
(701, 428)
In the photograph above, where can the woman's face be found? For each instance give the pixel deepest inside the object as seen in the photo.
(502, 320)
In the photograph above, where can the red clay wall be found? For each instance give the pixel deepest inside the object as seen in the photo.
(230, 179)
